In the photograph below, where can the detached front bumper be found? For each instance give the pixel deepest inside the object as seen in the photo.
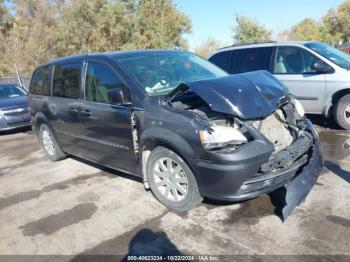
(236, 179)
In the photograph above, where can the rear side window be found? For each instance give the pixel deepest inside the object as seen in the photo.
(101, 83)
(222, 60)
(251, 59)
(40, 84)
(66, 81)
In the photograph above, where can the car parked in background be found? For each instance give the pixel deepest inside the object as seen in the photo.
(14, 108)
(182, 124)
(316, 74)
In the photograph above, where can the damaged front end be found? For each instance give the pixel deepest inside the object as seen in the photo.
(256, 138)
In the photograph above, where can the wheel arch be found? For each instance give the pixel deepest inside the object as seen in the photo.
(40, 119)
(334, 100)
(157, 137)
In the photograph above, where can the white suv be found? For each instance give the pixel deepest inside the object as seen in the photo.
(316, 74)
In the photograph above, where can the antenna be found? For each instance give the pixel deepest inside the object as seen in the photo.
(18, 77)
(162, 23)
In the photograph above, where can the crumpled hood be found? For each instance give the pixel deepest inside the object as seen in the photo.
(21, 101)
(248, 96)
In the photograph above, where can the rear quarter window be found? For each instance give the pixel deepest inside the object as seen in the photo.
(222, 60)
(66, 80)
(251, 59)
(40, 84)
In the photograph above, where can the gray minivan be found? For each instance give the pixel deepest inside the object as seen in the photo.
(184, 126)
(316, 74)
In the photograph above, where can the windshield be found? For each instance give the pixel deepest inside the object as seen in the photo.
(11, 92)
(335, 55)
(161, 72)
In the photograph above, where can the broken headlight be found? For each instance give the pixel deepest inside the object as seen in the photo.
(221, 136)
(298, 107)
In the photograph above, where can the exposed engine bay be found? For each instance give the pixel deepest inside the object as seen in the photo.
(258, 133)
(284, 128)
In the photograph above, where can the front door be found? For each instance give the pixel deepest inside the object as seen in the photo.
(293, 67)
(106, 127)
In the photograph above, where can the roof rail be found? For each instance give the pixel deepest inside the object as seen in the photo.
(62, 58)
(252, 43)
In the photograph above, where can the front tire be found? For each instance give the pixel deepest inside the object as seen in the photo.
(342, 112)
(49, 144)
(171, 180)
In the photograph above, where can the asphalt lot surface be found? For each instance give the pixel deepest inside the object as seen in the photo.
(72, 207)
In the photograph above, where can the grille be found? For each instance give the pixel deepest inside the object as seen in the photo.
(19, 123)
(15, 111)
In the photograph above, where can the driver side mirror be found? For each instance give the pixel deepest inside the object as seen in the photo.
(117, 96)
(321, 67)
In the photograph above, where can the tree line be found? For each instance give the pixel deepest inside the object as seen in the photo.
(34, 31)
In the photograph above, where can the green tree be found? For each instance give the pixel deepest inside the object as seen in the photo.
(333, 27)
(104, 25)
(87, 26)
(159, 24)
(207, 47)
(30, 41)
(310, 30)
(5, 19)
(44, 29)
(249, 30)
(338, 22)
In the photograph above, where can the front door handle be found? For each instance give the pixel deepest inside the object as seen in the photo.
(73, 110)
(85, 113)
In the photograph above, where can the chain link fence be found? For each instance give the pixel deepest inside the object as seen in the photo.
(14, 80)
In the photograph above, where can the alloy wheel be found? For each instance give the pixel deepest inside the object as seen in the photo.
(48, 142)
(347, 113)
(170, 179)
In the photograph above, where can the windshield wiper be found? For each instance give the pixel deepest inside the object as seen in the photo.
(177, 91)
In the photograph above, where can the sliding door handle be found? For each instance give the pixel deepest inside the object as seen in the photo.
(85, 113)
(73, 110)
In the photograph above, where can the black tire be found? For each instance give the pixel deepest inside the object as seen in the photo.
(341, 114)
(56, 154)
(190, 199)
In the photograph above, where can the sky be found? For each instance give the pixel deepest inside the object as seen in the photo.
(215, 18)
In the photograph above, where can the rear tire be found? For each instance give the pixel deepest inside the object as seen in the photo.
(172, 181)
(49, 144)
(342, 112)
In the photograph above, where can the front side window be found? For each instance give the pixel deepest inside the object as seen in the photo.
(101, 83)
(336, 56)
(11, 91)
(294, 60)
(158, 73)
(251, 59)
(40, 84)
(66, 81)
(221, 60)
